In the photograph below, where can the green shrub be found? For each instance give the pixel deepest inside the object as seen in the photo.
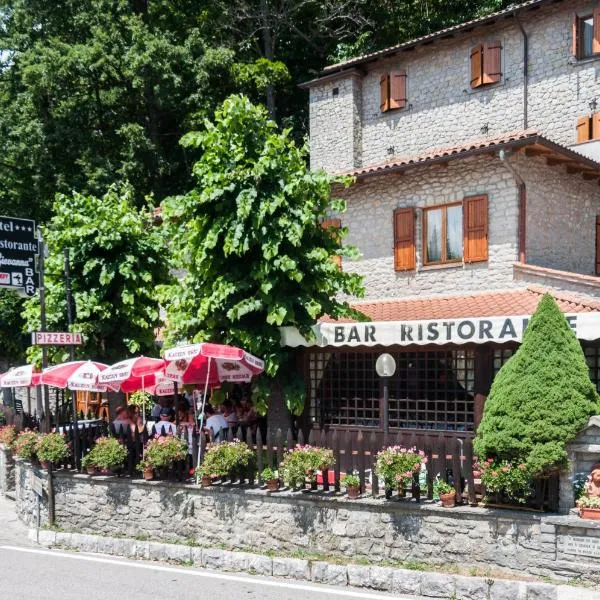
(107, 453)
(541, 398)
(163, 452)
(350, 480)
(268, 474)
(8, 434)
(52, 447)
(396, 464)
(504, 477)
(304, 461)
(221, 459)
(25, 444)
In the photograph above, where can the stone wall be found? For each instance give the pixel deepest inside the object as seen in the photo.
(7, 470)
(374, 530)
(443, 110)
(369, 217)
(26, 500)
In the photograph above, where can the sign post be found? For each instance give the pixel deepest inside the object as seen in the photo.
(386, 367)
(18, 251)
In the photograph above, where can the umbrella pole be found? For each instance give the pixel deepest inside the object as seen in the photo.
(176, 403)
(202, 414)
(143, 403)
(75, 430)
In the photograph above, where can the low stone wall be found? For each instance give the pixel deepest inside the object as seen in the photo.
(7, 470)
(26, 499)
(374, 530)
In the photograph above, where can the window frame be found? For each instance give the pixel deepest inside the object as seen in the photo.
(444, 207)
(579, 42)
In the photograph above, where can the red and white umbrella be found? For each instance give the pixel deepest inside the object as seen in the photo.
(211, 363)
(164, 387)
(78, 375)
(25, 376)
(133, 374)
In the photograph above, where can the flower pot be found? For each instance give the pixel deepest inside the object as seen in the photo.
(105, 471)
(448, 500)
(353, 491)
(589, 513)
(148, 474)
(90, 469)
(272, 485)
(401, 491)
(206, 481)
(44, 464)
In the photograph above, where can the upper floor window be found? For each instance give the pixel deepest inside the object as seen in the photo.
(392, 91)
(588, 128)
(486, 64)
(586, 34)
(442, 234)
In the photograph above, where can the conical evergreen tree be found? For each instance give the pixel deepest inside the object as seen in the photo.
(540, 398)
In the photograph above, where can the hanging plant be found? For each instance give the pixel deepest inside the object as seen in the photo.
(139, 399)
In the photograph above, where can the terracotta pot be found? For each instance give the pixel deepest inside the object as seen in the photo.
(148, 474)
(105, 471)
(589, 513)
(401, 491)
(353, 491)
(206, 481)
(448, 500)
(273, 485)
(91, 469)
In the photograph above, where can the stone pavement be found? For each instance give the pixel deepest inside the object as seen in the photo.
(12, 531)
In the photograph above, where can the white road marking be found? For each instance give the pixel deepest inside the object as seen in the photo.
(198, 573)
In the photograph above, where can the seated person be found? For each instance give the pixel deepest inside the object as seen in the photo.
(215, 423)
(164, 425)
(229, 413)
(121, 423)
(155, 412)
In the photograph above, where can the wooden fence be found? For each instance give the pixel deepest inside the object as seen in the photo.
(449, 458)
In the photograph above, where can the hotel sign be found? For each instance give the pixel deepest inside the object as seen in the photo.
(18, 251)
(477, 330)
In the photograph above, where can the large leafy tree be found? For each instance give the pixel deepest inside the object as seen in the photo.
(248, 238)
(118, 258)
(540, 398)
(12, 341)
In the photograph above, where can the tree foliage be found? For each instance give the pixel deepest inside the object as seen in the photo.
(540, 398)
(12, 341)
(117, 257)
(249, 240)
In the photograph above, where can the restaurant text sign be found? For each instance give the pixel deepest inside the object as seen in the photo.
(18, 249)
(56, 338)
(479, 330)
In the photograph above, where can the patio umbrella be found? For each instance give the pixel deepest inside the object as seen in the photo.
(25, 376)
(133, 375)
(78, 375)
(211, 364)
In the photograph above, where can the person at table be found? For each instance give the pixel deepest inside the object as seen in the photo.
(164, 425)
(121, 424)
(135, 418)
(215, 423)
(229, 413)
(155, 412)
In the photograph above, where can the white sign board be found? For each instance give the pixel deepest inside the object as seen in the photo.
(37, 485)
(56, 338)
(477, 330)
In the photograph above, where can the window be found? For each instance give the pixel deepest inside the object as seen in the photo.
(392, 91)
(404, 239)
(443, 234)
(486, 64)
(586, 35)
(588, 128)
(501, 356)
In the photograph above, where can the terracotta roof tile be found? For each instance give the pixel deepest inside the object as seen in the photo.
(493, 304)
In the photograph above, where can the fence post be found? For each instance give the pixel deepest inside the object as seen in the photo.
(325, 472)
(470, 481)
(374, 477)
(270, 445)
(279, 442)
(456, 469)
(360, 449)
(336, 454)
(250, 469)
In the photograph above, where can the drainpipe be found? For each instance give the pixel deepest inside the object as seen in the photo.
(502, 155)
(525, 71)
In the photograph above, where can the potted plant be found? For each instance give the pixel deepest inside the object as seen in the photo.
(222, 459)
(107, 454)
(304, 461)
(397, 465)
(25, 444)
(87, 462)
(161, 453)
(8, 434)
(589, 507)
(51, 448)
(506, 480)
(445, 491)
(352, 484)
(271, 479)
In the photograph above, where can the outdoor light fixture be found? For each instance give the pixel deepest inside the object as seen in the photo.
(386, 367)
(593, 104)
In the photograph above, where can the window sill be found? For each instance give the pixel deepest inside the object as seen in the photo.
(453, 265)
(575, 62)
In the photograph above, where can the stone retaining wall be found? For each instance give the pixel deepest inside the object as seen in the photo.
(26, 499)
(7, 470)
(368, 529)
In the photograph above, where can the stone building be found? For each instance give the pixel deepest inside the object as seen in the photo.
(474, 152)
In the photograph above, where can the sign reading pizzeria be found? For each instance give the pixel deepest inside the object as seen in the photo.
(18, 249)
(56, 338)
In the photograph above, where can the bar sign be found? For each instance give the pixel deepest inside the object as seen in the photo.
(56, 338)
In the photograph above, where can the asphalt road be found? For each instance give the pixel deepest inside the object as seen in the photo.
(28, 573)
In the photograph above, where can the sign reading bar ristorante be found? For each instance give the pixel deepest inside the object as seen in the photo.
(479, 330)
(18, 249)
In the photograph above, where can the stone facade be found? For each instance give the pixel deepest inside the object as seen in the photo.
(7, 470)
(26, 500)
(442, 109)
(368, 529)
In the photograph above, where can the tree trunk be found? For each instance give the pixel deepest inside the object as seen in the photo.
(269, 54)
(278, 416)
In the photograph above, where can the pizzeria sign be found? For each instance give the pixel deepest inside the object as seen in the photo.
(56, 338)
(477, 330)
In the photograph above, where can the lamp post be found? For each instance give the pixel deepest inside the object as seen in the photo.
(386, 367)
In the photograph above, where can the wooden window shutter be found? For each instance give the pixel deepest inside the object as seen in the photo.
(397, 89)
(384, 92)
(492, 62)
(595, 126)
(404, 239)
(476, 66)
(584, 127)
(335, 223)
(596, 39)
(598, 245)
(475, 229)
